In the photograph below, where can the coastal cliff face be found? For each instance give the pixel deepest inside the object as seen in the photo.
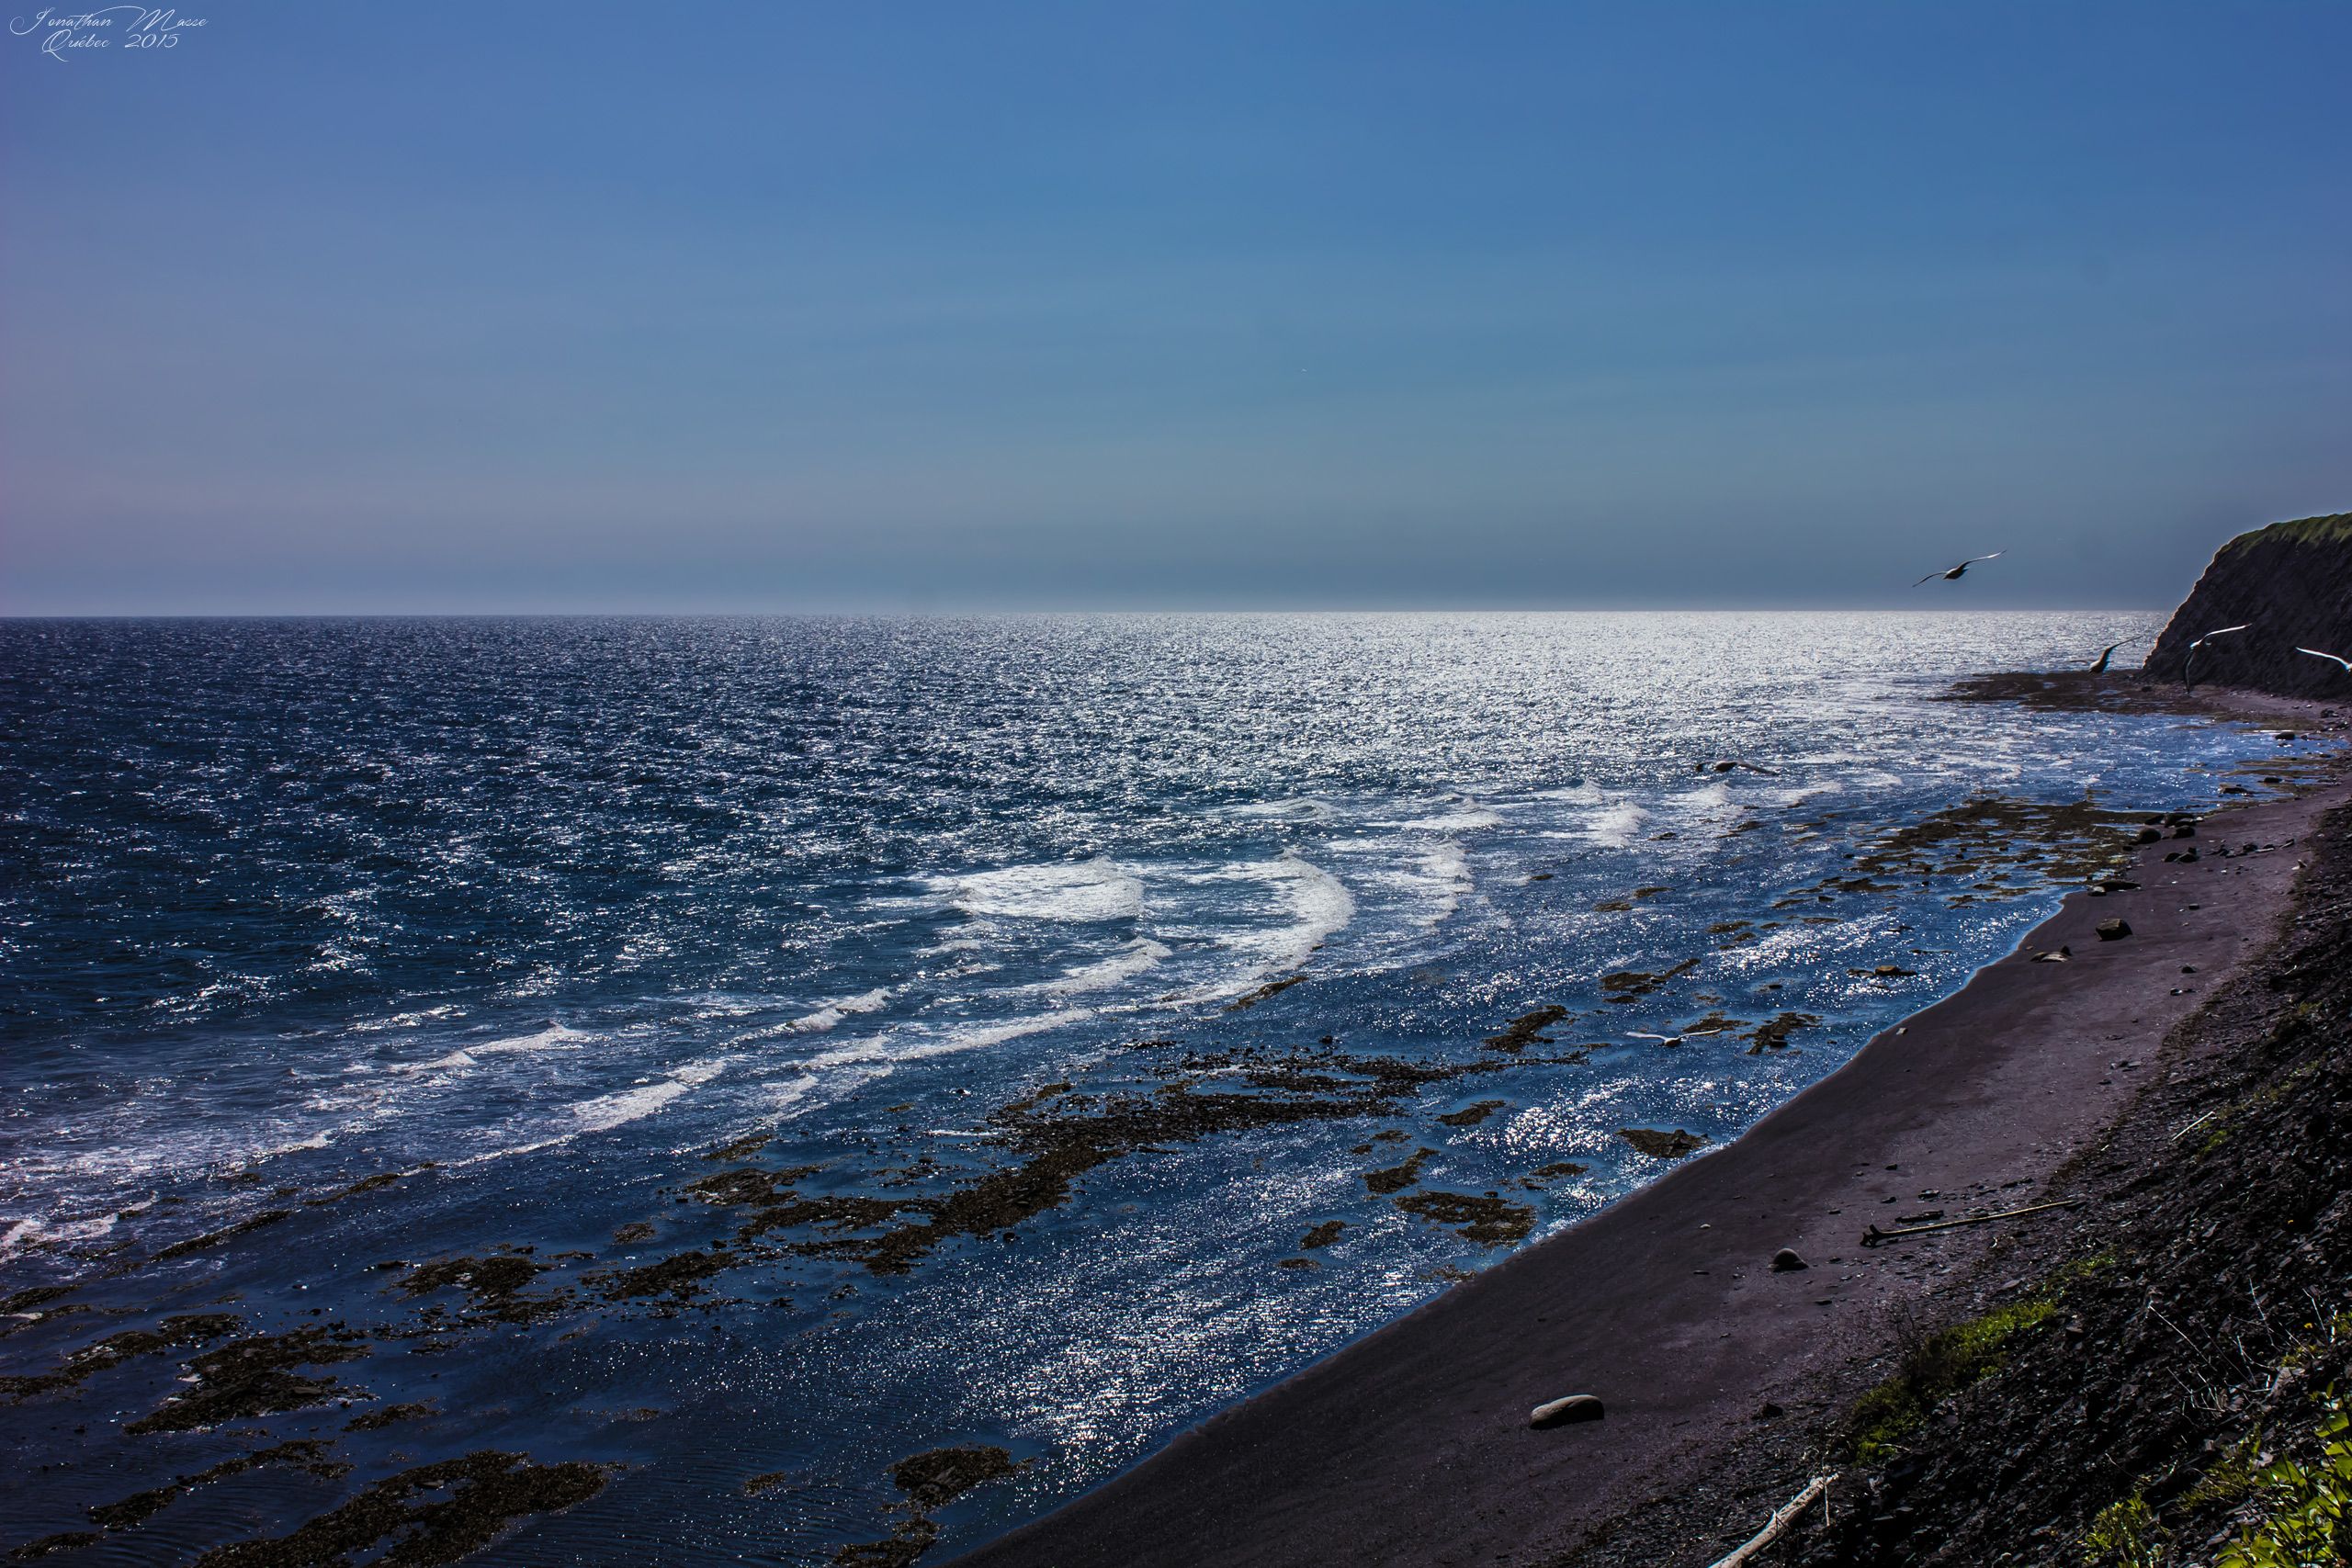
(2291, 584)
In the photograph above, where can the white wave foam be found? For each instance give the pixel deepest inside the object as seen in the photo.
(1304, 807)
(895, 1048)
(608, 1111)
(1316, 905)
(315, 1141)
(439, 1064)
(511, 1150)
(1138, 957)
(33, 1228)
(1449, 868)
(1462, 821)
(407, 1019)
(1614, 827)
(1083, 890)
(832, 1013)
(554, 1037)
(1319, 905)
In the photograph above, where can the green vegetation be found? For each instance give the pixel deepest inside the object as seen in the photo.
(2303, 1505)
(2231, 1476)
(1945, 1363)
(2333, 529)
(2125, 1535)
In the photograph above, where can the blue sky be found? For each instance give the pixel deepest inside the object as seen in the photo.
(532, 307)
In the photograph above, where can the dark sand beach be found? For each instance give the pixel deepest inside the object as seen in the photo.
(1413, 1446)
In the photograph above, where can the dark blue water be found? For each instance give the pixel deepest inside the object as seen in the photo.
(520, 922)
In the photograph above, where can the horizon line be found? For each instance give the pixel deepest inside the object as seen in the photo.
(975, 611)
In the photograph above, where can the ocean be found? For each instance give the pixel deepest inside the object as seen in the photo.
(706, 1064)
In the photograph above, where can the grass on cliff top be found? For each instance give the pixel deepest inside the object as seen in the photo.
(2333, 529)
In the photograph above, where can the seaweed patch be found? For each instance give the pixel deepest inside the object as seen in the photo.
(227, 1233)
(437, 1513)
(495, 1283)
(308, 1454)
(392, 1415)
(1773, 1035)
(1629, 985)
(1527, 1030)
(929, 1480)
(193, 1328)
(254, 1376)
(1490, 1221)
(1661, 1144)
(1397, 1178)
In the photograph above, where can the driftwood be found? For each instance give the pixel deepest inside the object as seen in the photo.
(2193, 1127)
(1777, 1525)
(1874, 1236)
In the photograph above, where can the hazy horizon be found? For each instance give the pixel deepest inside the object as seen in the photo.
(1076, 612)
(1040, 308)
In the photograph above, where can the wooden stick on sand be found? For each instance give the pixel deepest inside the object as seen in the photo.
(1777, 1525)
(1874, 1236)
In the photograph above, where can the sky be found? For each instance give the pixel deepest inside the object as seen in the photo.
(343, 308)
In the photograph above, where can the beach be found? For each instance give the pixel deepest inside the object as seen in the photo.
(1413, 1445)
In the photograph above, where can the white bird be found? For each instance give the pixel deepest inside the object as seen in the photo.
(2188, 664)
(2332, 659)
(1955, 574)
(2105, 653)
(1674, 1039)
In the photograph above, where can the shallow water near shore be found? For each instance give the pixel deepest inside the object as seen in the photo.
(744, 1054)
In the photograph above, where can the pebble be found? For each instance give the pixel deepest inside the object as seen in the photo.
(1562, 1412)
(2114, 931)
(1786, 1261)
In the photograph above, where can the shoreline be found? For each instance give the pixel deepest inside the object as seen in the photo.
(1411, 1445)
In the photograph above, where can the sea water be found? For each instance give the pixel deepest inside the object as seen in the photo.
(431, 939)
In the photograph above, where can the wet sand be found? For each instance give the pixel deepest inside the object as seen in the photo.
(1412, 1445)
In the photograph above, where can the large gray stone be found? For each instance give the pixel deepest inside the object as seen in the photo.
(1562, 1412)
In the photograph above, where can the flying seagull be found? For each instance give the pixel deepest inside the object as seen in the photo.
(2316, 653)
(2188, 665)
(2100, 668)
(1674, 1039)
(1955, 574)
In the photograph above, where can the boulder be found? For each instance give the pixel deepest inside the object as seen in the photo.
(2114, 931)
(1786, 1261)
(1566, 1411)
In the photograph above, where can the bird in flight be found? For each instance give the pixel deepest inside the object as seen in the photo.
(2316, 653)
(2188, 664)
(1955, 574)
(1674, 1039)
(2104, 654)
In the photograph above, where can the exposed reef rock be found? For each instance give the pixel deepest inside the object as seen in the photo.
(2290, 585)
(436, 1513)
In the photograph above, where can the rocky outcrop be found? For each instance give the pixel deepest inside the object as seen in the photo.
(2291, 584)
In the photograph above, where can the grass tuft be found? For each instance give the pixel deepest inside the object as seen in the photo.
(1946, 1362)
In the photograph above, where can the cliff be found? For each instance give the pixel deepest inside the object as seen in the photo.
(2291, 584)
